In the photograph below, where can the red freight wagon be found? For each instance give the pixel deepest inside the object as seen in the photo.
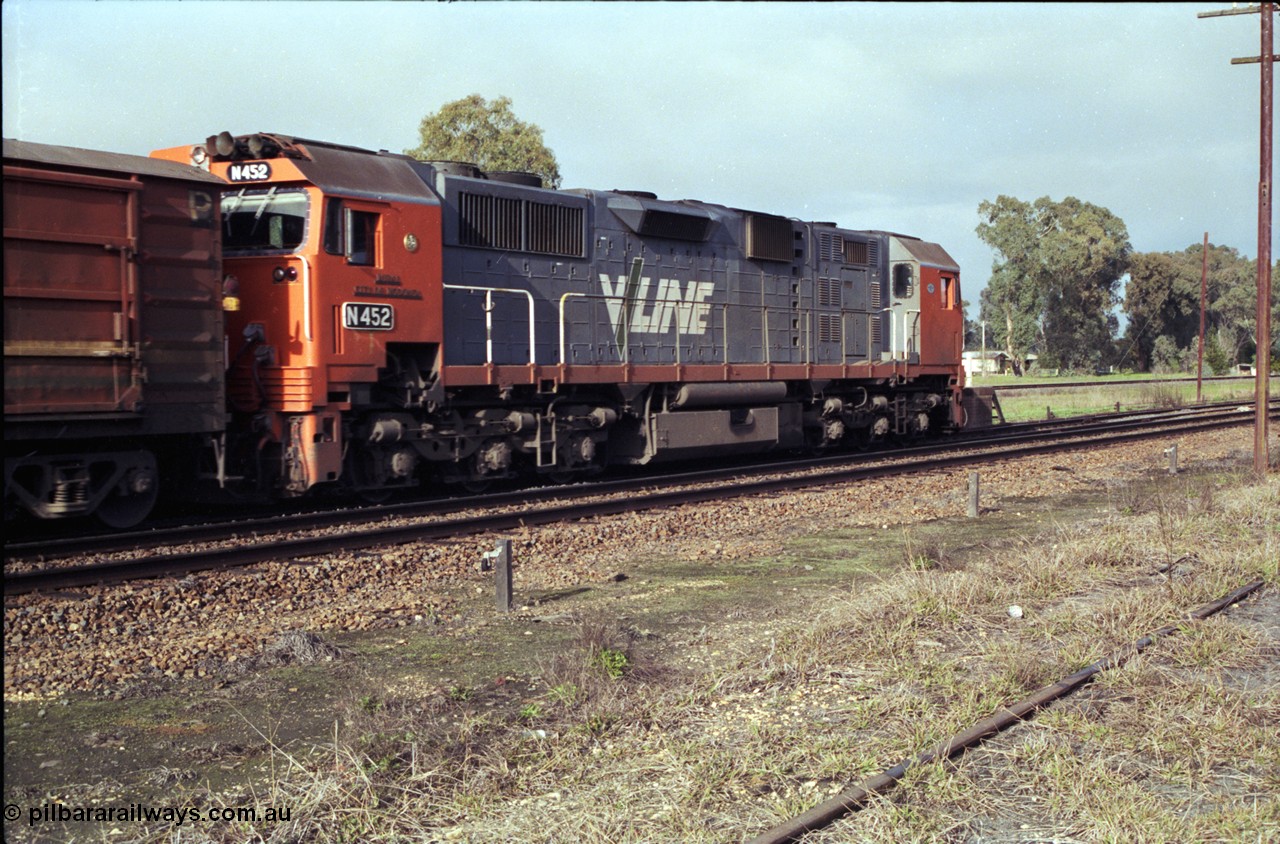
(114, 354)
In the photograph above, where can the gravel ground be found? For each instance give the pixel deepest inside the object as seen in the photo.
(103, 639)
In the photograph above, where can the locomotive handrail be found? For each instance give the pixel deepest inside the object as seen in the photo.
(624, 352)
(306, 297)
(805, 329)
(563, 299)
(908, 334)
(488, 316)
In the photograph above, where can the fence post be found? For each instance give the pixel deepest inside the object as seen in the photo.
(500, 559)
(973, 495)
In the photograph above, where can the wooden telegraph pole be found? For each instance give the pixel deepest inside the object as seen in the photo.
(1204, 295)
(1262, 384)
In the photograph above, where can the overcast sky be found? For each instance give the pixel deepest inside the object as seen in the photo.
(886, 116)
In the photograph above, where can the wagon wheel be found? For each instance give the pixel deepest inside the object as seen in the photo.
(120, 510)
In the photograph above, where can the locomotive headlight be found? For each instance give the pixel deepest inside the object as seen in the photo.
(200, 156)
(230, 293)
(281, 274)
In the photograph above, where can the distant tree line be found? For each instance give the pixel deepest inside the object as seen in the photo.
(1064, 268)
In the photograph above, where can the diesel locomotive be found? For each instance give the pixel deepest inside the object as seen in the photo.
(388, 323)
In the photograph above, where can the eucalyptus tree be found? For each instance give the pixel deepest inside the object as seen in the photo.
(1056, 278)
(488, 134)
(1162, 300)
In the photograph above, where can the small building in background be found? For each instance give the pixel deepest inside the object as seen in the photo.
(975, 363)
(994, 363)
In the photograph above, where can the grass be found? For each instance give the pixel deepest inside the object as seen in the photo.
(1063, 399)
(1161, 749)
(719, 735)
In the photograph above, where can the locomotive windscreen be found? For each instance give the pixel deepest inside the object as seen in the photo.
(264, 220)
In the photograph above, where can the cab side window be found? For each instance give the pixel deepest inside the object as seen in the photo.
(362, 238)
(948, 293)
(351, 233)
(903, 281)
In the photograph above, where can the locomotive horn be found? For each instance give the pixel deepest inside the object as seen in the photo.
(224, 144)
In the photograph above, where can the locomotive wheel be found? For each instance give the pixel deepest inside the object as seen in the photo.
(119, 511)
(459, 478)
(563, 476)
(375, 496)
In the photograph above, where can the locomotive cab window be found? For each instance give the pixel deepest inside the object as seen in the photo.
(903, 281)
(948, 293)
(351, 233)
(271, 220)
(362, 238)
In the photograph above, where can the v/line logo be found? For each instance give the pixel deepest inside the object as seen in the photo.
(632, 309)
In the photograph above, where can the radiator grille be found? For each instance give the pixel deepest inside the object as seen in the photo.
(857, 252)
(770, 238)
(490, 221)
(554, 229)
(497, 222)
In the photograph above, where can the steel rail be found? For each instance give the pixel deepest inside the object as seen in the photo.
(47, 550)
(1067, 385)
(857, 797)
(241, 555)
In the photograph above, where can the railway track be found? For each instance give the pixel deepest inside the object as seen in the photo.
(857, 797)
(238, 544)
(49, 548)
